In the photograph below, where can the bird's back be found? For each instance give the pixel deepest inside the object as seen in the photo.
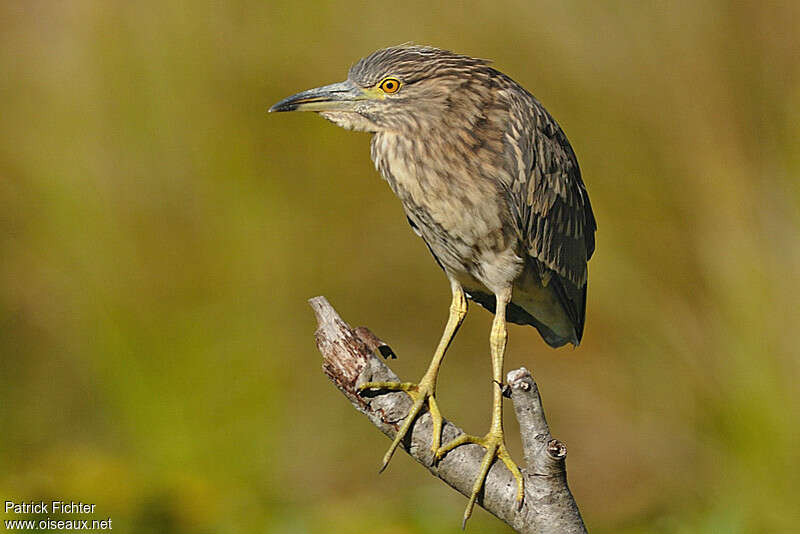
(554, 216)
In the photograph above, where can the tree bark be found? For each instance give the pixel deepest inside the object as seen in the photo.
(350, 359)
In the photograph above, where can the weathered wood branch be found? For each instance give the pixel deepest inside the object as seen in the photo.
(349, 359)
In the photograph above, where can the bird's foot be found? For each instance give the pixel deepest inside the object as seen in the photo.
(495, 447)
(422, 394)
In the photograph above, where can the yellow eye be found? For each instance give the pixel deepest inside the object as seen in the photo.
(389, 85)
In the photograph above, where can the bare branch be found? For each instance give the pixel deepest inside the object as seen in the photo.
(349, 360)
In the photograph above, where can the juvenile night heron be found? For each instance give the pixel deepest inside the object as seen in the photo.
(489, 181)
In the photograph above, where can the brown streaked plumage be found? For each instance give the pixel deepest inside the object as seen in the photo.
(489, 181)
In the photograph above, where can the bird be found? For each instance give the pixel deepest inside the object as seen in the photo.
(489, 181)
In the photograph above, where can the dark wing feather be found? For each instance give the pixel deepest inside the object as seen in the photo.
(549, 201)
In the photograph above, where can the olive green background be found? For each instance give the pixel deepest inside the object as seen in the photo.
(160, 234)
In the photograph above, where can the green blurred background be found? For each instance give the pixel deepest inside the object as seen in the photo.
(160, 234)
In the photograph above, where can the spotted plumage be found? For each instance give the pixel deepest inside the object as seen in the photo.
(486, 175)
(489, 181)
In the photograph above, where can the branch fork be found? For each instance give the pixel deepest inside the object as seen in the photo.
(350, 358)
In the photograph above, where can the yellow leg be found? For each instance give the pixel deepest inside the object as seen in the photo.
(494, 441)
(424, 392)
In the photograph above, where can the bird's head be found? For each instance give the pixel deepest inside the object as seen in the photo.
(404, 88)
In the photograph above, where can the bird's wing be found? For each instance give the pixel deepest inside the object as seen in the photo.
(549, 202)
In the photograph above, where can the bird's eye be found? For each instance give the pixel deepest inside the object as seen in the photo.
(389, 85)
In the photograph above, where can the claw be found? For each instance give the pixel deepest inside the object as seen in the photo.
(421, 394)
(436, 419)
(388, 386)
(495, 449)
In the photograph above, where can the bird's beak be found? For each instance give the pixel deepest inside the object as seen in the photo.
(340, 96)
